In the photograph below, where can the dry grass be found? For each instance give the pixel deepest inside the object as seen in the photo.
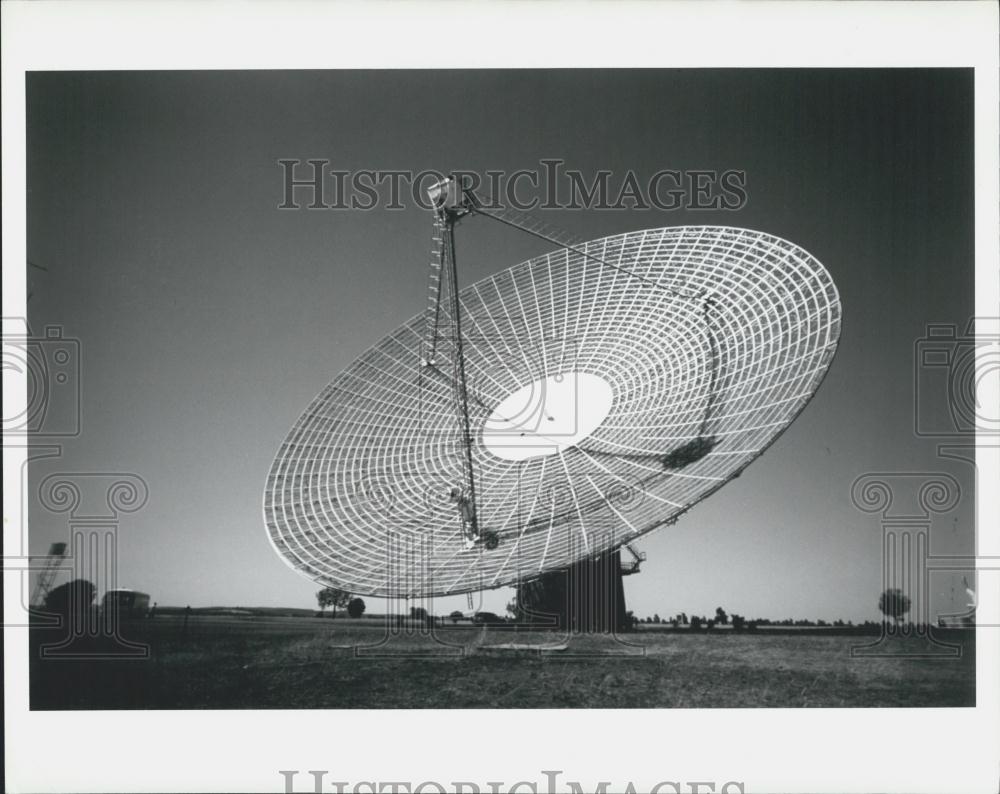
(304, 663)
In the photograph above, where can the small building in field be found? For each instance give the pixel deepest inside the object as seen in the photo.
(127, 603)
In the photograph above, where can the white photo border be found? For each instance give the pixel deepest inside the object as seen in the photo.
(845, 750)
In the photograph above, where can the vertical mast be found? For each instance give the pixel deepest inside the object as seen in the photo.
(461, 388)
(450, 203)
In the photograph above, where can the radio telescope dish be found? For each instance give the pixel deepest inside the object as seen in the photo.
(610, 387)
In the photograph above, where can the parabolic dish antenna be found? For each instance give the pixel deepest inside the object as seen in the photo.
(609, 387)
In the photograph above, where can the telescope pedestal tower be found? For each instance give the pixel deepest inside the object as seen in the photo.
(588, 597)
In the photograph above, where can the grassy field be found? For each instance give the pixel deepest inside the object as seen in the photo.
(253, 662)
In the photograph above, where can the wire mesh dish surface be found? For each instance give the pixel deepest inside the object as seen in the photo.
(628, 394)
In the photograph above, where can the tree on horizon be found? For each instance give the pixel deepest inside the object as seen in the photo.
(71, 598)
(356, 607)
(332, 597)
(894, 604)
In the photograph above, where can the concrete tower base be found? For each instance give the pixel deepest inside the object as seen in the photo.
(588, 597)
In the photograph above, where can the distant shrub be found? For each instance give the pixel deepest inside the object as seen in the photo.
(894, 604)
(356, 607)
(332, 597)
(73, 598)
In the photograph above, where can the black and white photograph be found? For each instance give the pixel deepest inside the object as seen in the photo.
(651, 402)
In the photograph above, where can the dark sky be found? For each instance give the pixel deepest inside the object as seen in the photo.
(208, 318)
